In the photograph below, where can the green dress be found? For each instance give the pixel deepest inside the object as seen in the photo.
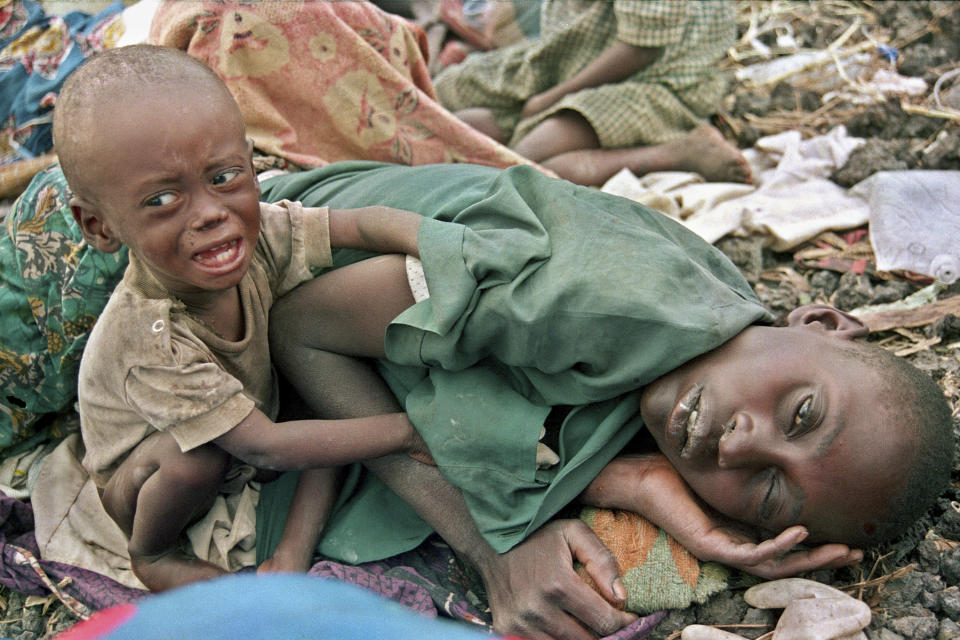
(542, 294)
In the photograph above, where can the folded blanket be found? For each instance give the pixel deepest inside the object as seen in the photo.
(657, 572)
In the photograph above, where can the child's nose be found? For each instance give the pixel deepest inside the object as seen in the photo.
(208, 212)
(747, 441)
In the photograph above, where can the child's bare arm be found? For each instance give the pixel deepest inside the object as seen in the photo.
(305, 444)
(312, 501)
(376, 228)
(617, 62)
(649, 485)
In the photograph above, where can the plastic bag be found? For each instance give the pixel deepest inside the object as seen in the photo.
(913, 221)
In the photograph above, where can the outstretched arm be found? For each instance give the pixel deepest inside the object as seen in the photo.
(617, 62)
(305, 444)
(649, 485)
(376, 228)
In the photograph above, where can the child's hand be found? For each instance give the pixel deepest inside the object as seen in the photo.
(417, 449)
(770, 558)
(540, 102)
(649, 485)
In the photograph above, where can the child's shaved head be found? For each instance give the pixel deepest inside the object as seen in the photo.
(116, 79)
(912, 398)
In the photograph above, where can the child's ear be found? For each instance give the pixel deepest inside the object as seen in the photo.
(93, 226)
(822, 317)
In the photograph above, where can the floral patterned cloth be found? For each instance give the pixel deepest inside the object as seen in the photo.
(53, 288)
(319, 82)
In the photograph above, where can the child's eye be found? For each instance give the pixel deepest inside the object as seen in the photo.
(159, 200)
(225, 176)
(805, 417)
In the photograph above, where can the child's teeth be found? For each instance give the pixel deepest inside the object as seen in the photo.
(692, 419)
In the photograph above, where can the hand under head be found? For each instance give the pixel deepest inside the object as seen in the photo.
(795, 425)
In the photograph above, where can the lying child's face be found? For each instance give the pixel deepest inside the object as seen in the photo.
(780, 427)
(173, 180)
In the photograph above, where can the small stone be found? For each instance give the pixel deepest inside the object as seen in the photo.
(905, 590)
(949, 630)
(822, 618)
(777, 594)
(854, 290)
(891, 291)
(824, 281)
(916, 627)
(949, 600)
(948, 525)
(722, 606)
(950, 566)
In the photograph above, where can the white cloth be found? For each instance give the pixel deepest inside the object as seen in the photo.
(793, 199)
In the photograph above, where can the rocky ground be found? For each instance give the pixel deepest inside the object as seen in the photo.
(912, 585)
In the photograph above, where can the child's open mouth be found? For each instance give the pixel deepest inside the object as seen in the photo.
(221, 258)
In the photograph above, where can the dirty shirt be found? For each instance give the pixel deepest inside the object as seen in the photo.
(150, 365)
(542, 294)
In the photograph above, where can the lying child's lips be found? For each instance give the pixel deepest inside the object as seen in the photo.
(221, 258)
(679, 417)
(686, 425)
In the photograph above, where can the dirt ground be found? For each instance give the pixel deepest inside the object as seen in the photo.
(913, 584)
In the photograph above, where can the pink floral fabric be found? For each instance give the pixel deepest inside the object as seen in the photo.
(319, 82)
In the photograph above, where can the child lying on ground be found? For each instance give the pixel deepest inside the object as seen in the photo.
(549, 305)
(176, 378)
(607, 85)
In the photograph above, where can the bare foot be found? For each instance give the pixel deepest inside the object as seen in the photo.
(705, 151)
(172, 569)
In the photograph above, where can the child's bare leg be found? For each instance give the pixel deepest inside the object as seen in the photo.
(561, 133)
(312, 501)
(481, 119)
(567, 144)
(344, 311)
(703, 151)
(154, 494)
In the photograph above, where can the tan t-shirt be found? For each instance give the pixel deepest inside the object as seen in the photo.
(151, 366)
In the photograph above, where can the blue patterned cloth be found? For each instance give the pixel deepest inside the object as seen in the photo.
(37, 53)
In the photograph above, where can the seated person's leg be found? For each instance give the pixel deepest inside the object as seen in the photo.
(560, 133)
(153, 496)
(481, 119)
(567, 144)
(345, 311)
